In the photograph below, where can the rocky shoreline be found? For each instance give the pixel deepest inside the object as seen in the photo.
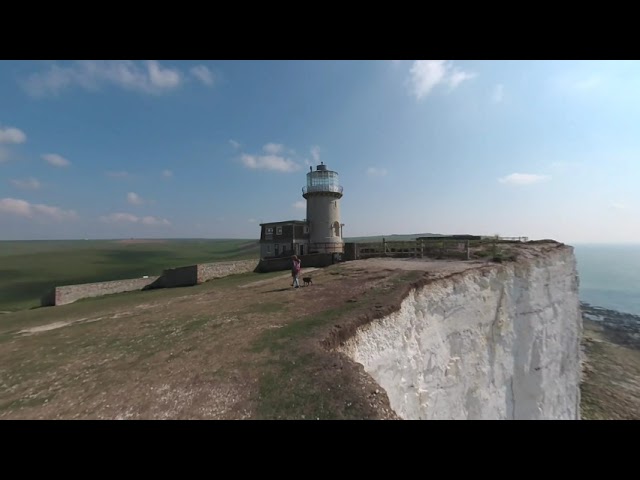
(611, 364)
(624, 328)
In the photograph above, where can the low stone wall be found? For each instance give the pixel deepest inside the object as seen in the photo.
(179, 277)
(170, 278)
(209, 271)
(350, 252)
(70, 293)
(318, 260)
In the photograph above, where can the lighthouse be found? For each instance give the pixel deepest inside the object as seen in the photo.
(323, 193)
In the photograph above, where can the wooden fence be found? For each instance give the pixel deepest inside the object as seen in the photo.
(458, 247)
(415, 248)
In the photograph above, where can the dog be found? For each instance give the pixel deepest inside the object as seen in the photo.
(307, 281)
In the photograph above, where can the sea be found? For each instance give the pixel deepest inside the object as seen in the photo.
(610, 276)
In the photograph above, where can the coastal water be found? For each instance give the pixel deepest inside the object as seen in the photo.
(610, 276)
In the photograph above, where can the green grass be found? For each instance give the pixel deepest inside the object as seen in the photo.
(10, 324)
(281, 338)
(295, 383)
(29, 268)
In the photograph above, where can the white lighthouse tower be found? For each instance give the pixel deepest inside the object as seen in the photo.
(323, 193)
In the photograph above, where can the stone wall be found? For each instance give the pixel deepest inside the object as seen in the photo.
(170, 278)
(350, 251)
(70, 293)
(179, 277)
(209, 271)
(318, 260)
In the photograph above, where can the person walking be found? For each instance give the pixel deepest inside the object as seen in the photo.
(295, 271)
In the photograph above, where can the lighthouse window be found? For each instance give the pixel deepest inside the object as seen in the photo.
(270, 231)
(279, 231)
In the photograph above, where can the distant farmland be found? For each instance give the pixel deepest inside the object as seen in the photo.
(29, 268)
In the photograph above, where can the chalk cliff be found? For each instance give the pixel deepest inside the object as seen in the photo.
(492, 343)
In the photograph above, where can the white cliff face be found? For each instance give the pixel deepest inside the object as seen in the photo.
(496, 343)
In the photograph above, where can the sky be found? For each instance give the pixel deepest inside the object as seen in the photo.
(209, 149)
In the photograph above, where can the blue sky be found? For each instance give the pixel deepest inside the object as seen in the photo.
(95, 149)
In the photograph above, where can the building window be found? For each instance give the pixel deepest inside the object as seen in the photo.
(270, 231)
(279, 231)
(306, 229)
(268, 248)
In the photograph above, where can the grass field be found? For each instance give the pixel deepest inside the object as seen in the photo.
(29, 268)
(243, 346)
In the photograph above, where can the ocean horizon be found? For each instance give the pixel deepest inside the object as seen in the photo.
(610, 276)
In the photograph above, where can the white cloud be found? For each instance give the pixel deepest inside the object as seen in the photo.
(12, 135)
(55, 212)
(458, 76)
(23, 208)
(15, 206)
(161, 78)
(125, 218)
(154, 221)
(273, 148)
(523, 179)
(134, 199)
(498, 93)
(300, 204)
(149, 77)
(28, 183)
(167, 173)
(120, 218)
(269, 162)
(234, 144)
(315, 153)
(120, 174)
(203, 74)
(425, 75)
(56, 160)
(376, 172)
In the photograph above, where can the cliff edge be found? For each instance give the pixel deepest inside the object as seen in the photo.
(485, 343)
(368, 339)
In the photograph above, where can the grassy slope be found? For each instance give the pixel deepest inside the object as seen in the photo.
(172, 353)
(29, 268)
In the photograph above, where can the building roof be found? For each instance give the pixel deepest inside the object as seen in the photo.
(298, 222)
